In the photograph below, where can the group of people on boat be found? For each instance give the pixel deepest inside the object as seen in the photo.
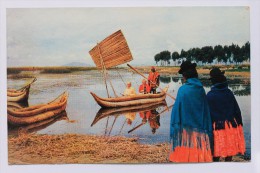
(205, 127)
(145, 87)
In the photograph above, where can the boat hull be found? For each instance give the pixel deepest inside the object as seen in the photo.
(18, 96)
(34, 114)
(125, 101)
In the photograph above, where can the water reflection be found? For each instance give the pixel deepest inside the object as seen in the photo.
(165, 79)
(239, 86)
(243, 92)
(148, 113)
(17, 105)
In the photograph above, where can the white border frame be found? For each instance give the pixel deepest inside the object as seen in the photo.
(251, 167)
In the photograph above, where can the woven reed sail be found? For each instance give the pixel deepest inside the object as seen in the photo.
(113, 50)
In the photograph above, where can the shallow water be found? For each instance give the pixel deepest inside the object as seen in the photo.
(82, 108)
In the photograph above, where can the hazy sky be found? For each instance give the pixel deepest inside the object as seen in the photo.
(57, 36)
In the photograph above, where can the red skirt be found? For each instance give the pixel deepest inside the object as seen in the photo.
(229, 141)
(195, 147)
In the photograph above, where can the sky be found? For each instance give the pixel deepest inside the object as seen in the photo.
(58, 36)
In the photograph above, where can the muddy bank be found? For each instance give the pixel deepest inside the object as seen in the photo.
(72, 148)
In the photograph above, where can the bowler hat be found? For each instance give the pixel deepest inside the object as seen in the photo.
(216, 72)
(186, 65)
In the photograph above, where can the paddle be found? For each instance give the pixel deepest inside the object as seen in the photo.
(150, 81)
(151, 119)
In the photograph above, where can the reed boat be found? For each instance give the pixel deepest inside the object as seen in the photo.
(139, 99)
(105, 112)
(15, 130)
(20, 95)
(37, 113)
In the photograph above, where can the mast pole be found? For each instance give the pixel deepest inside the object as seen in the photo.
(103, 69)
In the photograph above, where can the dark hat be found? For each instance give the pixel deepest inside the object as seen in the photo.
(216, 72)
(187, 65)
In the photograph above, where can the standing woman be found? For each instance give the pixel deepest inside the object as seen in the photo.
(226, 117)
(191, 126)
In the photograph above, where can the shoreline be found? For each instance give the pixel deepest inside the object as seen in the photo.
(31, 72)
(86, 149)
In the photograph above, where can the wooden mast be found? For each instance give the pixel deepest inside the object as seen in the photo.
(103, 69)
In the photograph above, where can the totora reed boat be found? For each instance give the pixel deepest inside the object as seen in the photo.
(123, 101)
(111, 52)
(20, 95)
(37, 113)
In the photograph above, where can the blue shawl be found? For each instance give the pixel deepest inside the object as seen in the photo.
(223, 106)
(191, 110)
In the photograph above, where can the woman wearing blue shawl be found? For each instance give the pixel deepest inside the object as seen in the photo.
(226, 117)
(191, 126)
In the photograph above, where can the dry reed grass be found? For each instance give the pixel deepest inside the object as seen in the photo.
(84, 149)
(71, 148)
(203, 71)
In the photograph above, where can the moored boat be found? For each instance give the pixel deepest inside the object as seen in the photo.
(20, 95)
(139, 99)
(37, 113)
(15, 130)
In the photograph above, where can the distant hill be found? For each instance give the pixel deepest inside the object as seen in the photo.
(77, 64)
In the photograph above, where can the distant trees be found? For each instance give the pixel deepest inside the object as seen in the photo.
(164, 57)
(232, 54)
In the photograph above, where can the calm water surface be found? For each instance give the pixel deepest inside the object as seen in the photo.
(82, 108)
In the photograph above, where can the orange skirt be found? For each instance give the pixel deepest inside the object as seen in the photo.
(229, 141)
(194, 148)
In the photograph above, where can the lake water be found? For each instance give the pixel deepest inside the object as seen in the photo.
(82, 108)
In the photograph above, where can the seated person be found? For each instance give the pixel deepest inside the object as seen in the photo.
(144, 88)
(129, 91)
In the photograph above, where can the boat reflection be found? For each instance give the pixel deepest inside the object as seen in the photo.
(17, 105)
(148, 114)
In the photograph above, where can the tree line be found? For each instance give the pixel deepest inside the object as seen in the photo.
(232, 54)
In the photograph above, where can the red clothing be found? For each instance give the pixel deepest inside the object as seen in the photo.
(153, 121)
(153, 79)
(144, 88)
(145, 115)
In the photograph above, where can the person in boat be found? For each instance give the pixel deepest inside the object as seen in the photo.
(129, 91)
(226, 117)
(144, 88)
(153, 80)
(190, 126)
